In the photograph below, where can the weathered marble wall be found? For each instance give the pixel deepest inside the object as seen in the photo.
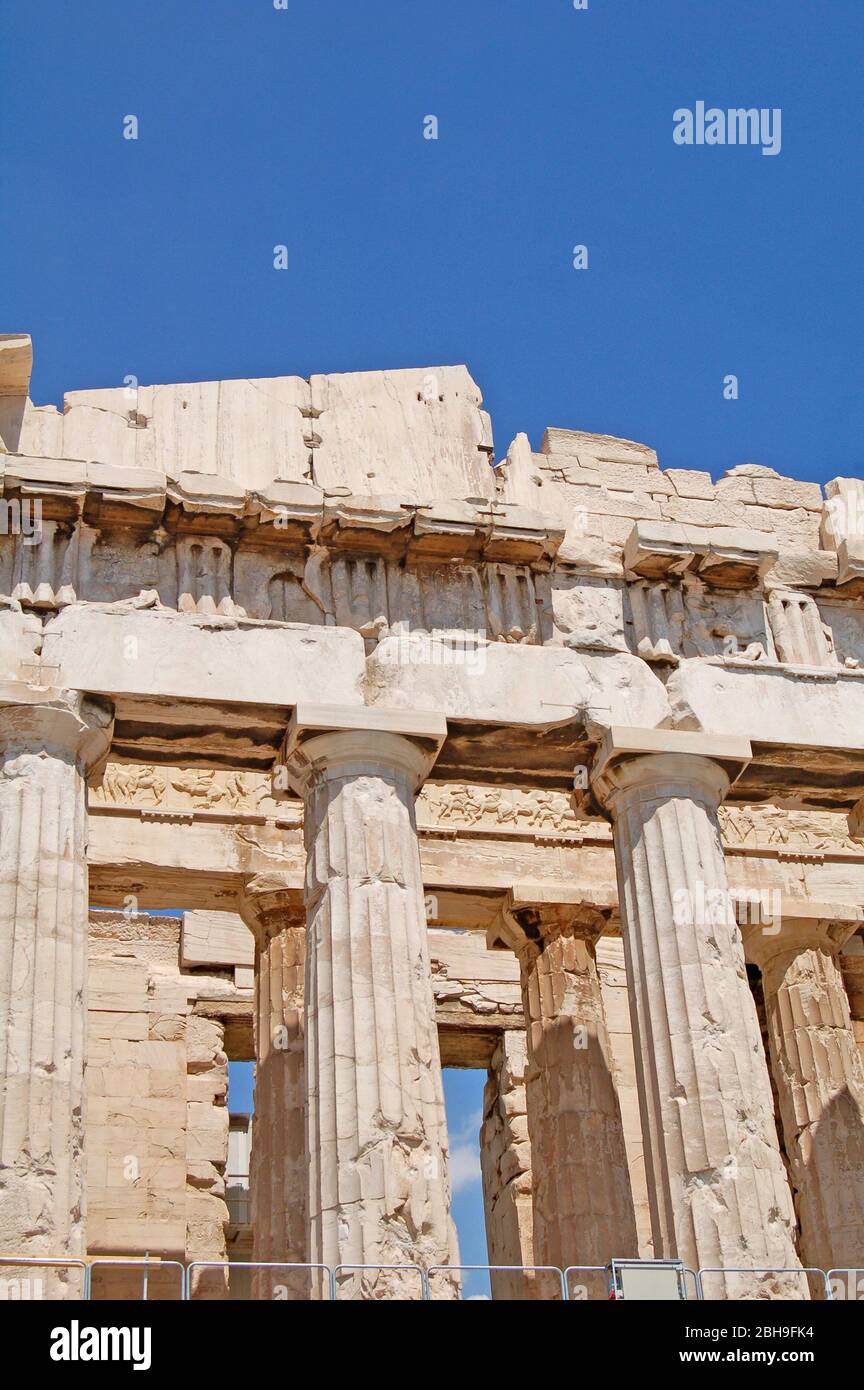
(157, 1122)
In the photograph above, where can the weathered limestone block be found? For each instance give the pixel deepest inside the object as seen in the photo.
(518, 684)
(731, 531)
(280, 1165)
(251, 432)
(211, 656)
(819, 1075)
(799, 568)
(589, 612)
(583, 1206)
(203, 1044)
(136, 1120)
(728, 557)
(418, 434)
(808, 709)
(205, 1209)
(843, 531)
(505, 1161)
(718, 1190)
(47, 748)
(729, 624)
(843, 624)
(377, 1135)
(16, 364)
(264, 431)
(659, 549)
(157, 1122)
(477, 993)
(215, 938)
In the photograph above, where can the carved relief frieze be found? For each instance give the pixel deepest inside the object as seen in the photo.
(589, 612)
(729, 625)
(511, 810)
(377, 598)
(672, 619)
(845, 623)
(459, 808)
(169, 790)
(793, 831)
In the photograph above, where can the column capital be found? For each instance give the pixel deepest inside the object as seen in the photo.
(331, 740)
(800, 925)
(670, 761)
(270, 902)
(67, 724)
(533, 913)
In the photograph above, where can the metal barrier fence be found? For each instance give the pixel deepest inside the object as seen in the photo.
(834, 1285)
(145, 1264)
(37, 1262)
(801, 1271)
(496, 1269)
(229, 1265)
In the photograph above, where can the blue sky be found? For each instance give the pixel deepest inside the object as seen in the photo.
(304, 127)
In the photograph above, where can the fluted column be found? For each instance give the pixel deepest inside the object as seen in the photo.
(379, 1189)
(47, 748)
(717, 1185)
(279, 1166)
(583, 1206)
(819, 1074)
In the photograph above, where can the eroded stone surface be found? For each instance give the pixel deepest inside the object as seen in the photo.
(207, 557)
(47, 747)
(819, 1076)
(717, 1187)
(379, 1190)
(583, 1205)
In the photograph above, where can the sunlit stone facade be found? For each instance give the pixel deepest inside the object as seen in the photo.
(551, 767)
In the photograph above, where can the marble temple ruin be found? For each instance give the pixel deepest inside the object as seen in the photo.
(330, 743)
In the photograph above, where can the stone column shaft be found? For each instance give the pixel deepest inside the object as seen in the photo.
(279, 1163)
(583, 1207)
(45, 752)
(718, 1188)
(819, 1075)
(379, 1188)
(582, 1204)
